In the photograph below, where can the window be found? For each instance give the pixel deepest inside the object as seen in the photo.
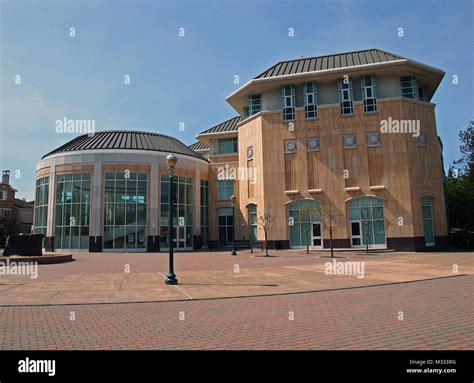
(183, 212)
(252, 217)
(368, 93)
(227, 145)
(41, 206)
(428, 227)
(125, 205)
(422, 94)
(225, 189)
(301, 217)
(3, 195)
(346, 96)
(73, 201)
(366, 221)
(409, 87)
(205, 213)
(422, 139)
(310, 100)
(226, 226)
(254, 104)
(4, 213)
(288, 102)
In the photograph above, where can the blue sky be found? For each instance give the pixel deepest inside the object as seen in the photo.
(175, 79)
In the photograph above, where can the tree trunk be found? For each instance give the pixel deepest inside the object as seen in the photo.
(266, 243)
(330, 241)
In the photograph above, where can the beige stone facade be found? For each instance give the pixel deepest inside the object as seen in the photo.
(399, 171)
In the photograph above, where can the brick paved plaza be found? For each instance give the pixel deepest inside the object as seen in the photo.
(404, 301)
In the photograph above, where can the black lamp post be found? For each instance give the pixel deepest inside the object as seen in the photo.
(232, 199)
(171, 162)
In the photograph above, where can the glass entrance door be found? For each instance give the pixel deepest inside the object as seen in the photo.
(367, 224)
(317, 240)
(356, 233)
(179, 237)
(226, 226)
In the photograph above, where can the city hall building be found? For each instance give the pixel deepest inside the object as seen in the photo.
(352, 134)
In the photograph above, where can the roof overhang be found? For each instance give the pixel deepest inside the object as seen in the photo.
(83, 152)
(207, 137)
(201, 150)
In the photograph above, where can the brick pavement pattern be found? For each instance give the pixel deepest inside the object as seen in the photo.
(437, 314)
(101, 277)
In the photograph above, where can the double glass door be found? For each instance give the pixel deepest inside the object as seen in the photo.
(179, 237)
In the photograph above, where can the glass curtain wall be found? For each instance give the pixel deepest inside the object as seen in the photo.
(183, 210)
(41, 206)
(125, 206)
(73, 201)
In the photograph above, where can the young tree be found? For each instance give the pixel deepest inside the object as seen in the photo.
(331, 219)
(264, 222)
(305, 215)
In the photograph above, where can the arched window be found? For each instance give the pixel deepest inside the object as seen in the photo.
(427, 212)
(304, 219)
(252, 217)
(366, 221)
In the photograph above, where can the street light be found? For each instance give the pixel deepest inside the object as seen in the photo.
(232, 199)
(171, 162)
